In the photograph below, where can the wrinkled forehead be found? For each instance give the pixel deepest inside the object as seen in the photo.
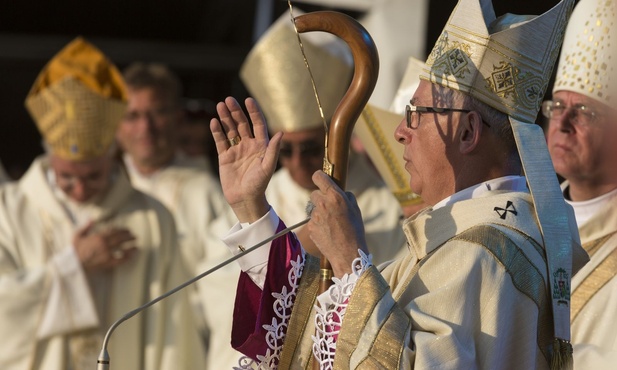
(433, 95)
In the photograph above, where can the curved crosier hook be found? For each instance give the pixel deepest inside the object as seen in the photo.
(366, 69)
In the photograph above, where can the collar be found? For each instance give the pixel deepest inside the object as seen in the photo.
(587, 209)
(509, 183)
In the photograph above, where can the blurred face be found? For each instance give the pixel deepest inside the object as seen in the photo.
(583, 149)
(148, 130)
(82, 181)
(194, 138)
(431, 153)
(302, 154)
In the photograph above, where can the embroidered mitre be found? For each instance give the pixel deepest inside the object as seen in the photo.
(77, 102)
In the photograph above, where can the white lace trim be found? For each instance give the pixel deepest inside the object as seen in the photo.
(331, 306)
(276, 331)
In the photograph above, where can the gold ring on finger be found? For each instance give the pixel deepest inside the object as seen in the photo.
(234, 140)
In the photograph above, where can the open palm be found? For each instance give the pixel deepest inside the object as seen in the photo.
(246, 161)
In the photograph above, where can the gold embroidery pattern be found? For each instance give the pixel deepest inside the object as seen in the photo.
(597, 279)
(450, 58)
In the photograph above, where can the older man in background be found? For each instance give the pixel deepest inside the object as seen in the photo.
(287, 99)
(582, 134)
(148, 134)
(79, 247)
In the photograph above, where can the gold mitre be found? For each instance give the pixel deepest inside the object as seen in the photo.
(589, 51)
(77, 102)
(275, 74)
(376, 127)
(505, 62)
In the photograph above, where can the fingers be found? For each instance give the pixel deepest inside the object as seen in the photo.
(116, 237)
(325, 182)
(220, 140)
(259, 123)
(85, 230)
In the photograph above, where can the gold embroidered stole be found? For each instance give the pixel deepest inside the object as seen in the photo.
(602, 274)
(302, 317)
(376, 329)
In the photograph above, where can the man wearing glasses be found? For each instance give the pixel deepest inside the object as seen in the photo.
(582, 137)
(286, 96)
(485, 284)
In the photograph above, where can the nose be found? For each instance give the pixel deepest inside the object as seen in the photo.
(402, 134)
(79, 191)
(565, 123)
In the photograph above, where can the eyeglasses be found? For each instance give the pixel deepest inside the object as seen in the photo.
(578, 114)
(304, 149)
(411, 109)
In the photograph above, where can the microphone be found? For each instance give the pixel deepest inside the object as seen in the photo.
(103, 360)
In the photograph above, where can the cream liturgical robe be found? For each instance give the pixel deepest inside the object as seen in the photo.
(381, 212)
(472, 293)
(202, 216)
(54, 315)
(594, 293)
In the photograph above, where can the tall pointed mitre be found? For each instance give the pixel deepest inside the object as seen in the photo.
(589, 52)
(275, 74)
(506, 63)
(77, 102)
(376, 127)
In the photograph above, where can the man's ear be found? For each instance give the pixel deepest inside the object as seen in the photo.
(470, 132)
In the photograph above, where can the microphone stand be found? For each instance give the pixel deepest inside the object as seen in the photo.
(103, 360)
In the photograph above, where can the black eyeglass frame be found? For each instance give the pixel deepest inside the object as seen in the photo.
(410, 108)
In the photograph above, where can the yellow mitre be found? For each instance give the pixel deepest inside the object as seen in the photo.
(589, 52)
(77, 102)
(376, 127)
(506, 63)
(275, 74)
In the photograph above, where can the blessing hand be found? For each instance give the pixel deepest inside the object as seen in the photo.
(246, 161)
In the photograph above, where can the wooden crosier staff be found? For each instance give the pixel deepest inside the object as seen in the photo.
(366, 68)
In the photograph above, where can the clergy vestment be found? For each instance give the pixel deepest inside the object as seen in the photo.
(471, 293)
(381, 212)
(594, 288)
(202, 216)
(54, 314)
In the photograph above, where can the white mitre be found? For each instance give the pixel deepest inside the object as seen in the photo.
(589, 52)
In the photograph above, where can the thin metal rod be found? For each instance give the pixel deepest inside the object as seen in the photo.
(104, 357)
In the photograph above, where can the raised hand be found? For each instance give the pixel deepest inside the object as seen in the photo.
(246, 161)
(336, 224)
(103, 250)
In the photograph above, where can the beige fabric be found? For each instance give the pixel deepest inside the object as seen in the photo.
(34, 229)
(275, 74)
(586, 65)
(464, 307)
(380, 210)
(593, 328)
(202, 216)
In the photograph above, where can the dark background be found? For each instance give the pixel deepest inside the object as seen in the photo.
(203, 41)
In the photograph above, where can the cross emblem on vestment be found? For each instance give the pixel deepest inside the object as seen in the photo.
(503, 212)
